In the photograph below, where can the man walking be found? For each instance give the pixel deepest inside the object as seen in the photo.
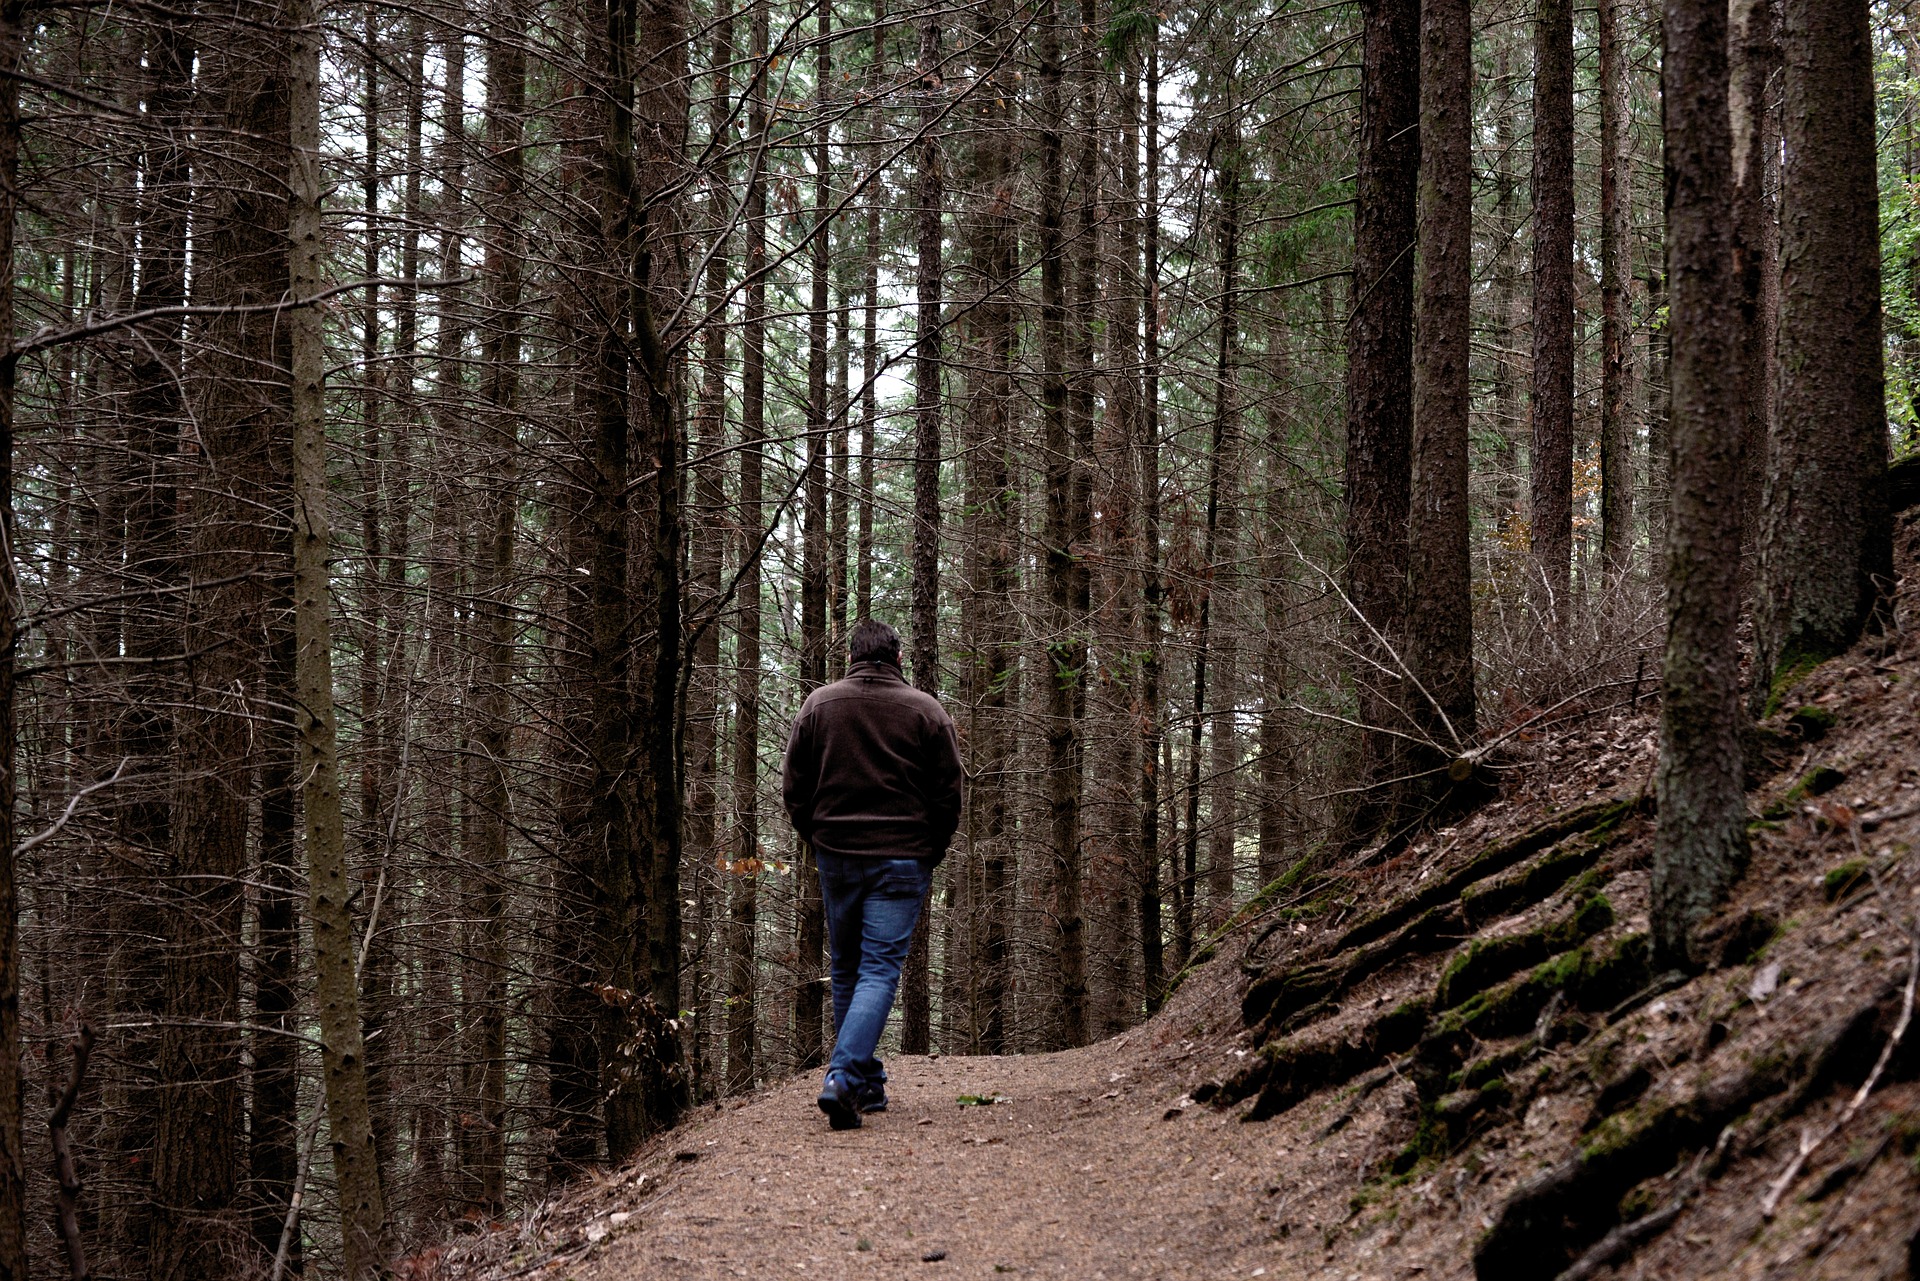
(872, 783)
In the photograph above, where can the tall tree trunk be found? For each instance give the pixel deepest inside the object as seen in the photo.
(704, 717)
(809, 989)
(744, 910)
(1616, 244)
(154, 414)
(1379, 474)
(1066, 643)
(1753, 57)
(1152, 613)
(1277, 834)
(1223, 535)
(363, 1217)
(196, 1224)
(930, 209)
(1552, 455)
(13, 1227)
(614, 863)
(1701, 841)
(486, 1059)
(1507, 319)
(1439, 603)
(659, 147)
(1659, 417)
(1827, 556)
(990, 613)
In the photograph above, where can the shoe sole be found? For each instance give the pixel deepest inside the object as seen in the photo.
(881, 1106)
(841, 1113)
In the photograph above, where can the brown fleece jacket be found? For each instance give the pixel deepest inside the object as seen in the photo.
(873, 768)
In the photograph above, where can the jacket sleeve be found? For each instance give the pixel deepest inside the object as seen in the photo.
(798, 775)
(946, 779)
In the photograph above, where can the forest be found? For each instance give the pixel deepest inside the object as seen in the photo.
(445, 440)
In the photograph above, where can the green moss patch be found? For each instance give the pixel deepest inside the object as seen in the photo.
(1845, 879)
(1817, 781)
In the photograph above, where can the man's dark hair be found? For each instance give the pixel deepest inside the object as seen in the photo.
(874, 642)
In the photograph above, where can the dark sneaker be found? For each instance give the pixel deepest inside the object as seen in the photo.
(871, 1097)
(839, 1102)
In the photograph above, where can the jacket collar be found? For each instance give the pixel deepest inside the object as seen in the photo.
(876, 670)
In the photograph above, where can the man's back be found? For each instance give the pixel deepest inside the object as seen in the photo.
(873, 768)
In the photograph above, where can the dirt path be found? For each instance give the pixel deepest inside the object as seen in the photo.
(1076, 1173)
(1091, 1164)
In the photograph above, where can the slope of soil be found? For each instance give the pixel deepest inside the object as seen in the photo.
(1480, 1067)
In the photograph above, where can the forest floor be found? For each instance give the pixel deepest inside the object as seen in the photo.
(1097, 1162)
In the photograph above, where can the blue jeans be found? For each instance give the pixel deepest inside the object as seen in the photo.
(872, 905)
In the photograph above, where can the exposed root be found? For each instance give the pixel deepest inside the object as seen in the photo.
(1284, 997)
(1558, 1213)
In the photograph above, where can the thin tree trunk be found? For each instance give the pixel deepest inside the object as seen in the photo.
(13, 1227)
(1753, 57)
(1065, 648)
(1701, 841)
(1222, 558)
(486, 1084)
(363, 1217)
(929, 202)
(1277, 764)
(1552, 454)
(742, 987)
(1616, 372)
(870, 357)
(810, 983)
(1152, 958)
(704, 718)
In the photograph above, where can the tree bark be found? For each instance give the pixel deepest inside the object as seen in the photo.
(742, 987)
(363, 1217)
(196, 1221)
(486, 1060)
(1552, 455)
(1827, 554)
(929, 206)
(810, 982)
(1152, 612)
(1066, 642)
(1616, 245)
(1379, 474)
(1223, 555)
(707, 855)
(1440, 603)
(989, 618)
(1701, 841)
(13, 1227)
(1753, 57)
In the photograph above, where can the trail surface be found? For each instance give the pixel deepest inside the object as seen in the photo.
(1075, 1169)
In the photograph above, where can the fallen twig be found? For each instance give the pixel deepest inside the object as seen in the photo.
(1811, 1142)
(1891, 814)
